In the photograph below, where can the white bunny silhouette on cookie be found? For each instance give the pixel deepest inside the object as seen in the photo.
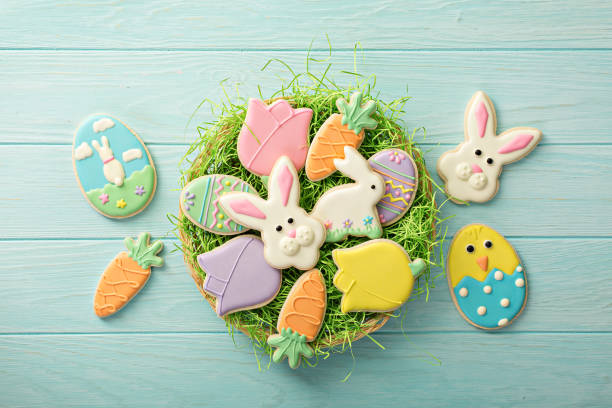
(113, 170)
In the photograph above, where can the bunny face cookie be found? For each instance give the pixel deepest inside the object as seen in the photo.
(291, 237)
(350, 209)
(471, 171)
(113, 167)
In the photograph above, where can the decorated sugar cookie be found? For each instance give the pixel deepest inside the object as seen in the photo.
(340, 129)
(126, 275)
(113, 167)
(485, 277)
(349, 209)
(401, 177)
(376, 276)
(471, 171)
(272, 131)
(239, 276)
(291, 237)
(300, 319)
(200, 202)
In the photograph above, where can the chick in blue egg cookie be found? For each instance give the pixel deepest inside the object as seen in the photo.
(485, 277)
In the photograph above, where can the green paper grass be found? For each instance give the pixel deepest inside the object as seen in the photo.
(215, 152)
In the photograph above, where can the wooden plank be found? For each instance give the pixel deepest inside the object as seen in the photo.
(292, 24)
(546, 190)
(156, 93)
(48, 287)
(194, 370)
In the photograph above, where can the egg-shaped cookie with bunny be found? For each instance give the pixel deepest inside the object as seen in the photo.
(485, 276)
(471, 171)
(113, 167)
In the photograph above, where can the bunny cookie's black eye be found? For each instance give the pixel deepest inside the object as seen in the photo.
(373, 187)
(489, 160)
(477, 152)
(279, 228)
(290, 220)
(470, 248)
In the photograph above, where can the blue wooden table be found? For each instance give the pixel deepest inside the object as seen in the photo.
(546, 64)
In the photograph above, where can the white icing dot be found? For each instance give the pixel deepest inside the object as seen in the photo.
(499, 275)
(519, 283)
(502, 322)
(505, 302)
(487, 289)
(519, 269)
(482, 310)
(463, 292)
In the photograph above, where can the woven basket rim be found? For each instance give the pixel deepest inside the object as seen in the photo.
(368, 327)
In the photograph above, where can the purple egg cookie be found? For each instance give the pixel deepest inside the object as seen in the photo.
(401, 177)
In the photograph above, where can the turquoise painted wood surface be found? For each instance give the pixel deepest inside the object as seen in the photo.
(545, 64)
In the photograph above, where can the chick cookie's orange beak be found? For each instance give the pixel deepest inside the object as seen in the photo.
(483, 262)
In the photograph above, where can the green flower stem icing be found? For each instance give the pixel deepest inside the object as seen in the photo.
(144, 177)
(355, 116)
(143, 253)
(290, 344)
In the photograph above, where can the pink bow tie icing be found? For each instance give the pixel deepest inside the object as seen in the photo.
(272, 131)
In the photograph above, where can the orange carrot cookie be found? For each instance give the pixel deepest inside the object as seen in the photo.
(300, 319)
(340, 129)
(126, 274)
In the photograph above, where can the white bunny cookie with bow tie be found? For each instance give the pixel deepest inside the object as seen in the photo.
(471, 171)
(112, 168)
(291, 237)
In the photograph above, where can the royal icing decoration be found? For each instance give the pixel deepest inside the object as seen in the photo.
(485, 277)
(349, 209)
(200, 202)
(291, 237)
(376, 276)
(272, 131)
(238, 275)
(101, 168)
(126, 275)
(340, 129)
(401, 177)
(300, 319)
(471, 171)
(131, 154)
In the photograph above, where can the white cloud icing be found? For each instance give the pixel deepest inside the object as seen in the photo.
(131, 154)
(103, 124)
(83, 151)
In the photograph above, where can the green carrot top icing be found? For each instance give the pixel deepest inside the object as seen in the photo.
(142, 252)
(290, 344)
(417, 267)
(356, 116)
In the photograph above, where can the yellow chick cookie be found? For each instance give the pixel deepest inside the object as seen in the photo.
(485, 277)
(376, 276)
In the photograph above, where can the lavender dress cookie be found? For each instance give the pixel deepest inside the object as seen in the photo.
(401, 181)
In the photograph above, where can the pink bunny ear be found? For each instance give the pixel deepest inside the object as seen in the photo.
(516, 143)
(480, 117)
(245, 209)
(283, 186)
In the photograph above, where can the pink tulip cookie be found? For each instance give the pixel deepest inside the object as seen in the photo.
(272, 131)
(200, 202)
(401, 177)
(238, 275)
(291, 237)
(350, 209)
(471, 171)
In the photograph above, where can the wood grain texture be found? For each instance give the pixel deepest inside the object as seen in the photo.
(379, 24)
(529, 191)
(52, 292)
(201, 369)
(156, 93)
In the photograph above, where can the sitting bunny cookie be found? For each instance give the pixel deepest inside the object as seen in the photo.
(291, 237)
(471, 171)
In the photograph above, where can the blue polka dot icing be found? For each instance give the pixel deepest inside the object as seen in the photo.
(493, 302)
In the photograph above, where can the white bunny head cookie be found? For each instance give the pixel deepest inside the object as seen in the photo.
(350, 209)
(291, 237)
(471, 171)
